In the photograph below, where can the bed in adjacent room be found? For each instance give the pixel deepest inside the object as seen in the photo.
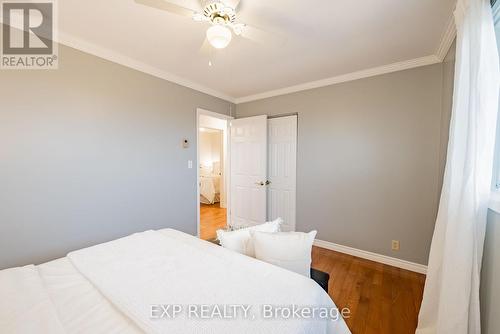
(210, 182)
(135, 284)
(209, 189)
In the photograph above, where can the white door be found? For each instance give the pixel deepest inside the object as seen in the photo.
(282, 170)
(248, 171)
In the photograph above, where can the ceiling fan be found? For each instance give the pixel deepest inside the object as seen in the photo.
(221, 15)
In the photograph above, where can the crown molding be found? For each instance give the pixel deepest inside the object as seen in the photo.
(447, 39)
(118, 58)
(394, 67)
(442, 50)
(113, 56)
(79, 44)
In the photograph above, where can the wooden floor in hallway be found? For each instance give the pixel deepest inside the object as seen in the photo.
(212, 218)
(382, 299)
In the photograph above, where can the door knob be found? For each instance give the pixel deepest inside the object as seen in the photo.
(262, 183)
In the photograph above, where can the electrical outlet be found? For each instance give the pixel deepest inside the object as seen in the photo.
(395, 245)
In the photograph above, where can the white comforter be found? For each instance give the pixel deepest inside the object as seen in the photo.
(111, 288)
(25, 305)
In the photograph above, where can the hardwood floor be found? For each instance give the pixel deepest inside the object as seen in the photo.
(382, 299)
(212, 218)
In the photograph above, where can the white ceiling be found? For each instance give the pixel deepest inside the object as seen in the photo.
(323, 39)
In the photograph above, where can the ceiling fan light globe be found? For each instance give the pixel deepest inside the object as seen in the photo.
(219, 36)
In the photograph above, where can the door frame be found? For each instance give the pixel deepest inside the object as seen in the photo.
(227, 162)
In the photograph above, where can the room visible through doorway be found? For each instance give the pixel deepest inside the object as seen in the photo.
(212, 173)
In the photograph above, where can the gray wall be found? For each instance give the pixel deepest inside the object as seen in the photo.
(490, 274)
(92, 152)
(370, 158)
(490, 277)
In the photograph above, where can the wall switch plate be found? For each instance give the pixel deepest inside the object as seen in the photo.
(395, 245)
(190, 164)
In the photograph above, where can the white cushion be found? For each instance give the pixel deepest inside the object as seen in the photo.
(240, 240)
(289, 250)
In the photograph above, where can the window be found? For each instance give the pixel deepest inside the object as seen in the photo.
(495, 200)
(496, 17)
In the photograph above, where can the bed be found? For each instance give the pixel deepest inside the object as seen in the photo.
(209, 189)
(129, 284)
(210, 182)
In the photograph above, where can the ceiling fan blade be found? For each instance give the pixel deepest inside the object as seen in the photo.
(167, 7)
(260, 36)
(231, 3)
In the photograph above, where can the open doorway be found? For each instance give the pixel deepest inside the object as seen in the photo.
(213, 172)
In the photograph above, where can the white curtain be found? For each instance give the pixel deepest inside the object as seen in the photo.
(451, 295)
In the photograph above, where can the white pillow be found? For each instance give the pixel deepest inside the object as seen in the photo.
(240, 240)
(289, 250)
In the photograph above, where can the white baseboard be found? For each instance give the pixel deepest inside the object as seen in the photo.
(391, 261)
